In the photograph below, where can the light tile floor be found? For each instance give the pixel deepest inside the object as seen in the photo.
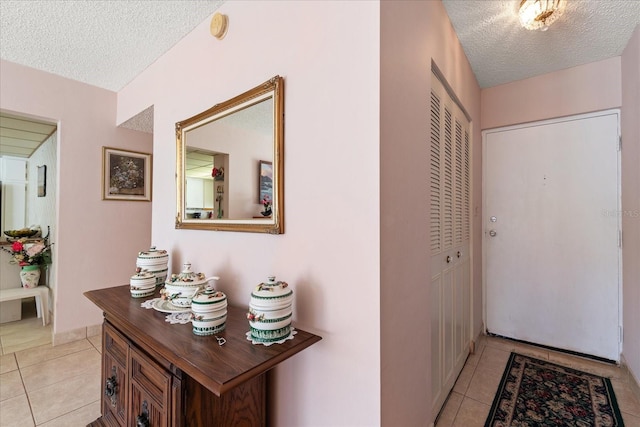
(470, 400)
(42, 385)
(26, 333)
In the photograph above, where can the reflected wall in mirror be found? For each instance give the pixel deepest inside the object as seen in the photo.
(219, 153)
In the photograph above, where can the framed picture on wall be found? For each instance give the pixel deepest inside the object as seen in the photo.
(265, 181)
(42, 181)
(126, 175)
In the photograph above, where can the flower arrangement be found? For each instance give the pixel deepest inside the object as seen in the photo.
(266, 202)
(127, 174)
(217, 174)
(24, 254)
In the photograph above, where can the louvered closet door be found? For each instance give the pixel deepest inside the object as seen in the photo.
(450, 231)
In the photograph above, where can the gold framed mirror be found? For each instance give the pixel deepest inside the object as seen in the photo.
(230, 164)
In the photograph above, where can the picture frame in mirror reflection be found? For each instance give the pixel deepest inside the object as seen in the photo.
(265, 181)
(42, 181)
(126, 175)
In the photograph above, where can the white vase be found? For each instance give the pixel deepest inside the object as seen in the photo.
(30, 276)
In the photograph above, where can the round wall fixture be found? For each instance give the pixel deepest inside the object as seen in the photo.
(219, 25)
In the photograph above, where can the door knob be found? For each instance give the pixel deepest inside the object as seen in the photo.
(492, 233)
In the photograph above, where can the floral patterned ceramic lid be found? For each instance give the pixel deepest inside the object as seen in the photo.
(209, 296)
(271, 288)
(188, 277)
(142, 274)
(152, 257)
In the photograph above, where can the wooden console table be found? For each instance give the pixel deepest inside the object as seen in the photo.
(158, 374)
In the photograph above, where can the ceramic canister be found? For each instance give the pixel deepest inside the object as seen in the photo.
(142, 284)
(155, 261)
(209, 312)
(270, 311)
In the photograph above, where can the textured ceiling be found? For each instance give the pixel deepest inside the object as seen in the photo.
(102, 43)
(107, 43)
(501, 51)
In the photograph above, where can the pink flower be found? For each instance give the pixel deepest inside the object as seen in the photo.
(35, 249)
(17, 246)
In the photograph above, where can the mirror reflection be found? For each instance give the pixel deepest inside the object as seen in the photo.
(229, 164)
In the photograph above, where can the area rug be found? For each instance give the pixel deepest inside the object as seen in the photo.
(535, 392)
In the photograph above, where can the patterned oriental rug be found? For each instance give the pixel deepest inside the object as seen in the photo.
(535, 392)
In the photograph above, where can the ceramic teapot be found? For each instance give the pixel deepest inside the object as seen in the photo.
(180, 289)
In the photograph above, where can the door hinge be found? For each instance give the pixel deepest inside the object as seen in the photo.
(620, 143)
(620, 239)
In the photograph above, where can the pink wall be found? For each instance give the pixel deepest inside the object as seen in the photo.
(631, 201)
(328, 54)
(96, 241)
(412, 35)
(582, 89)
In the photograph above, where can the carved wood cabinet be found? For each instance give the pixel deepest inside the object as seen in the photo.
(137, 390)
(162, 375)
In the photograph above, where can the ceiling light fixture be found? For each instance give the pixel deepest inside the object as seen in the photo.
(540, 14)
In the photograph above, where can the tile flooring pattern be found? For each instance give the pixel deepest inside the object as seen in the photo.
(42, 385)
(470, 400)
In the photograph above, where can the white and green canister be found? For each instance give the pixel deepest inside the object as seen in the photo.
(155, 261)
(270, 310)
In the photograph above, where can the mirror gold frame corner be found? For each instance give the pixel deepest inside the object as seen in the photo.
(247, 218)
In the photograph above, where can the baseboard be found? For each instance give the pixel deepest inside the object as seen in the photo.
(634, 384)
(475, 340)
(93, 330)
(76, 334)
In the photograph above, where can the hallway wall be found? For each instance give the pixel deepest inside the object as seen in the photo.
(97, 241)
(413, 35)
(583, 89)
(631, 202)
(328, 55)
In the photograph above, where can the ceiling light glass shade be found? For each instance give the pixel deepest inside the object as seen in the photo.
(540, 14)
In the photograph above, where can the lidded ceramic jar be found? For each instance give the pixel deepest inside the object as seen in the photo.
(270, 311)
(155, 261)
(209, 312)
(180, 289)
(142, 284)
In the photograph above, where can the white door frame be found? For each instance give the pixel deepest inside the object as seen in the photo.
(485, 214)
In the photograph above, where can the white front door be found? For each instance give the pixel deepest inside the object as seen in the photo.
(551, 233)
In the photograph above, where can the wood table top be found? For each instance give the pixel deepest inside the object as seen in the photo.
(218, 368)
